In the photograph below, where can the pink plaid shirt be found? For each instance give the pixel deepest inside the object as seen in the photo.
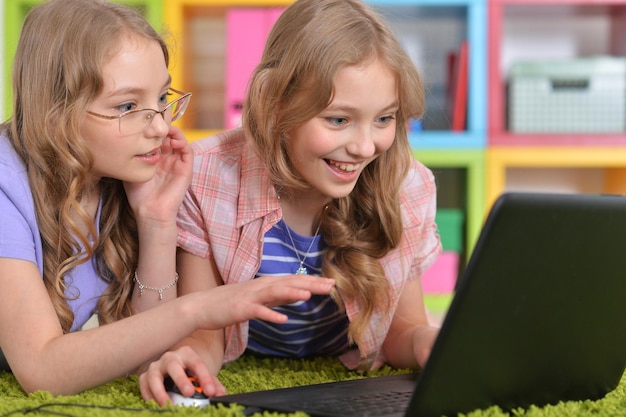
(231, 203)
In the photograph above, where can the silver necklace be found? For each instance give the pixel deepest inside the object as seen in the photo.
(302, 269)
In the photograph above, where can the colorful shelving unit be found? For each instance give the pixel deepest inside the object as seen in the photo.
(513, 27)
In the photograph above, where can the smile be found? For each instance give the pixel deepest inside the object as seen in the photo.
(152, 153)
(344, 166)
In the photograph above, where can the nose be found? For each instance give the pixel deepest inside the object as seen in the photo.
(362, 144)
(158, 127)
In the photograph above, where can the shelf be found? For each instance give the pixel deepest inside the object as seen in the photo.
(540, 30)
(446, 139)
(610, 162)
(565, 139)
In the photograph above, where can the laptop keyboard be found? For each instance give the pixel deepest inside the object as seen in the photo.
(381, 404)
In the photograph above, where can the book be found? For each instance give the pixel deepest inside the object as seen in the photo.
(459, 87)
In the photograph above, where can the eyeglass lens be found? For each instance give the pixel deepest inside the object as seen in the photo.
(137, 121)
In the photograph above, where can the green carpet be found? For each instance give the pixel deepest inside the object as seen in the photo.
(121, 397)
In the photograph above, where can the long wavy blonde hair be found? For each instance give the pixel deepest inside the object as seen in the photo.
(309, 44)
(57, 73)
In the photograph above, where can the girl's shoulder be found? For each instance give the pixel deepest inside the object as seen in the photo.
(228, 153)
(419, 181)
(17, 207)
(10, 161)
(229, 141)
(13, 174)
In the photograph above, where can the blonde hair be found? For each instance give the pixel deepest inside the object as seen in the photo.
(57, 73)
(309, 44)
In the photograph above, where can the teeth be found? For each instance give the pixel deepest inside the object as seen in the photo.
(158, 151)
(346, 167)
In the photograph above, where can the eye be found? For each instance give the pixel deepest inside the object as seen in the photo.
(163, 99)
(126, 107)
(385, 120)
(337, 121)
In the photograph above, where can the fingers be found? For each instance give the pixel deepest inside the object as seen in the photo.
(176, 134)
(176, 140)
(314, 284)
(240, 302)
(282, 290)
(176, 364)
(269, 292)
(269, 315)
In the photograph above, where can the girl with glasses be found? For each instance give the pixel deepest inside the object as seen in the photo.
(320, 181)
(91, 177)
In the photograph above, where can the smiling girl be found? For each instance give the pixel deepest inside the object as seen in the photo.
(92, 175)
(320, 181)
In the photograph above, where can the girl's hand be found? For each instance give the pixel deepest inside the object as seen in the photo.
(175, 364)
(220, 307)
(159, 198)
(423, 340)
(234, 303)
(410, 338)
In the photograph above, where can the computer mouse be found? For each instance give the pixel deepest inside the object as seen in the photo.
(198, 399)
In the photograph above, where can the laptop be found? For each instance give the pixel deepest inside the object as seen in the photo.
(537, 317)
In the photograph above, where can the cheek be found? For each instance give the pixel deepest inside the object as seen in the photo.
(96, 132)
(305, 148)
(386, 140)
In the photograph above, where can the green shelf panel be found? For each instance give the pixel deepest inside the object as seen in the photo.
(473, 162)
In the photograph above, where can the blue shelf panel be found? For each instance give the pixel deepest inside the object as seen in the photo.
(477, 82)
(447, 140)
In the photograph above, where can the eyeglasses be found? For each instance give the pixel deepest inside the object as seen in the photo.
(135, 121)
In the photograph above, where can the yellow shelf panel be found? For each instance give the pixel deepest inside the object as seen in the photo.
(195, 134)
(611, 159)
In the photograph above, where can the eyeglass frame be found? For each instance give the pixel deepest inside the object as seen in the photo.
(184, 95)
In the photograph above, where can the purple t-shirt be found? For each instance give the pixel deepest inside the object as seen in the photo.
(20, 238)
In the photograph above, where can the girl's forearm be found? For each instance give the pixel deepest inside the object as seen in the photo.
(112, 350)
(156, 276)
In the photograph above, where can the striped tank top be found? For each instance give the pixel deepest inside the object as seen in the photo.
(316, 326)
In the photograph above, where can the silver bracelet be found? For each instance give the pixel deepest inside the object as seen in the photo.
(159, 290)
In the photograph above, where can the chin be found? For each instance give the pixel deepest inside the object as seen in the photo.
(342, 192)
(137, 179)
(144, 175)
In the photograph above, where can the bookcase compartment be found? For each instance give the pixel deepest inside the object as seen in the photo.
(432, 32)
(538, 31)
(583, 95)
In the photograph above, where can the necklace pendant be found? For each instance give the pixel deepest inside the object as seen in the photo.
(302, 270)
